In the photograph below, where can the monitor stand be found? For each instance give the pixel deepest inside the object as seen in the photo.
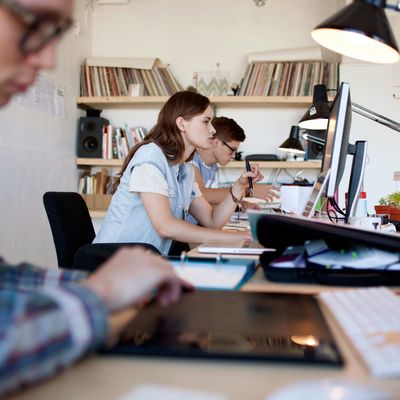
(359, 153)
(316, 193)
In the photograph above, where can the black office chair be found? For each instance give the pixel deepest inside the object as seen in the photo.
(73, 232)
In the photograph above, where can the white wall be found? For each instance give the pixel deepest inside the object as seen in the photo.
(37, 154)
(37, 151)
(195, 35)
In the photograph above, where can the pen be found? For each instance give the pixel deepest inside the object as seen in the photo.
(248, 169)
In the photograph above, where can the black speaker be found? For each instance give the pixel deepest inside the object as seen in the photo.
(90, 135)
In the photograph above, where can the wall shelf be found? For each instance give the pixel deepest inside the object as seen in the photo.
(97, 214)
(219, 101)
(98, 162)
(314, 164)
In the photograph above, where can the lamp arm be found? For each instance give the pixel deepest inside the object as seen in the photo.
(313, 139)
(395, 7)
(372, 115)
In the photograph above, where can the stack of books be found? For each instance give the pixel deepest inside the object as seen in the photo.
(114, 77)
(294, 78)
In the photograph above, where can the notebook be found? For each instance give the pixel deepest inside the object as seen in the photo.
(208, 273)
(233, 325)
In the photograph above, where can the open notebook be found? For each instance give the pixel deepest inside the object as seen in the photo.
(206, 273)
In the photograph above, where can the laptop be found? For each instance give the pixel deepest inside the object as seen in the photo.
(246, 246)
(233, 325)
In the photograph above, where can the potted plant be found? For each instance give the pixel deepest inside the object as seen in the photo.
(390, 205)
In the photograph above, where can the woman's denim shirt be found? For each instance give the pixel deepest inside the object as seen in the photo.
(127, 219)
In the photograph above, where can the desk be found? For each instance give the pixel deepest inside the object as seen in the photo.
(105, 378)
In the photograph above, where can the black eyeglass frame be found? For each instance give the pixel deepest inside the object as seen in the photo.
(232, 149)
(34, 22)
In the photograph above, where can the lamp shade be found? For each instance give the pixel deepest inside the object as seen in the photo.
(360, 30)
(292, 144)
(316, 117)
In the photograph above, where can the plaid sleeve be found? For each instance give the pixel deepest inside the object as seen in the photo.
(29, 276)
(44, 331)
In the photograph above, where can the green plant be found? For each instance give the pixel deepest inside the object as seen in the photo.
(392, 199)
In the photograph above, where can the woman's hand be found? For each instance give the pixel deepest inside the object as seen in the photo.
(255, 174)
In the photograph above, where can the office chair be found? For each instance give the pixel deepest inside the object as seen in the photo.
(73, 232)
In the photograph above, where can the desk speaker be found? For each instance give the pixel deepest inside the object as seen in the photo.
(90, 135)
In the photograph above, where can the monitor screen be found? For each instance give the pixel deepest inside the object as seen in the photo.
(337, 139)
(335, 150)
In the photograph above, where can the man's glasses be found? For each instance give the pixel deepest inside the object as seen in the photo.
(232, 149)
(41, 29)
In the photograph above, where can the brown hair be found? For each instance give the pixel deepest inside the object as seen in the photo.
(227, 129)
(165, 133)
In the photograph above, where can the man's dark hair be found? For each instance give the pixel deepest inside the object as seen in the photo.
(227, 129)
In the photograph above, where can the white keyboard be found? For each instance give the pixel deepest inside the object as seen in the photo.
(370, 318)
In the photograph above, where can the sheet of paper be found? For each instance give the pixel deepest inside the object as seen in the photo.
(45, 95)
(161, 392)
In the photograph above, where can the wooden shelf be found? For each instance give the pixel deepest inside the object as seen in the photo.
(131, 101)
(315, 164)
(97, 214)
(99, 162)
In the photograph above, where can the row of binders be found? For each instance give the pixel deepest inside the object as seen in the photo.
(296, 78)
(117, 142)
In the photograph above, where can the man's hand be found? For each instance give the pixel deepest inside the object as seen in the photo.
(266, 192)
(131, 276)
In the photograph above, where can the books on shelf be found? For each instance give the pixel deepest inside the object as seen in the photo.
(288, 78)
(113, 77)
(117, 141)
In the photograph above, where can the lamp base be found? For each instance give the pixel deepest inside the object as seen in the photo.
(294, 157)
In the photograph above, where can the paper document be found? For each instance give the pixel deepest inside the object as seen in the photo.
(162, 392)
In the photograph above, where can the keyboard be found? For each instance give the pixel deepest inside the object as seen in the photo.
(370, 318)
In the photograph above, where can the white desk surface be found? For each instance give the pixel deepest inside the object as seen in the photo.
(104, 378)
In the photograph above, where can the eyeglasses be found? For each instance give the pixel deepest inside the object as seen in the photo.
(41, 29)
(232, 149)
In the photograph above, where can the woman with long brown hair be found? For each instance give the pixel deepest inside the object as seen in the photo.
(157, 188)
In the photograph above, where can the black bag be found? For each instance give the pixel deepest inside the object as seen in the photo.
(281, 231)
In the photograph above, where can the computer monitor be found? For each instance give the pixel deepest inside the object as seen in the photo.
(337, 139)
(334, 158)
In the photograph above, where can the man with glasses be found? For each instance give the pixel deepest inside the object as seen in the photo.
(225, 144)
(50, 318)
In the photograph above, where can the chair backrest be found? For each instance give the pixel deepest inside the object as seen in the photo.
(70, 224)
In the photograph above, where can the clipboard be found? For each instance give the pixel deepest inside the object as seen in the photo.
(214, 273)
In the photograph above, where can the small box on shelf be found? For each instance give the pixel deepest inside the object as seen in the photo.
(97, 202)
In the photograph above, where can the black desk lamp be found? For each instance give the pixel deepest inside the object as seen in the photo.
(292, 144)
(365, 112)
(316, 117)
(360, 30)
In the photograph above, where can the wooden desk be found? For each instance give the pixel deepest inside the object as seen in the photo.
(105, 378)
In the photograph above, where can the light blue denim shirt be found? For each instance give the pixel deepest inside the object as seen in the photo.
(127, 219)
(208, 175)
